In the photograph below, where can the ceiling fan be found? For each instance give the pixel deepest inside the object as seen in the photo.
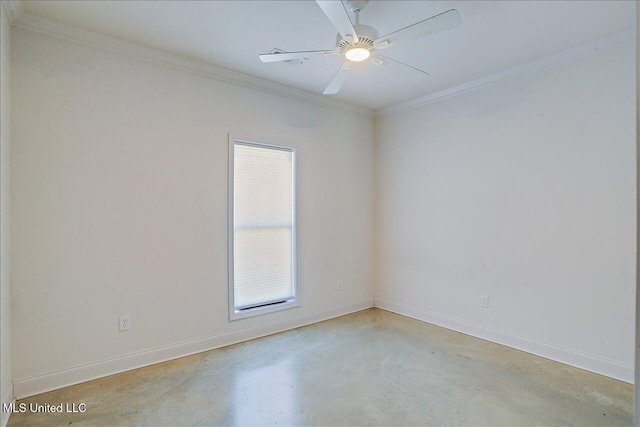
(359, 42)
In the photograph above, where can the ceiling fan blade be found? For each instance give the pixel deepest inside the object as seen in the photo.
(337, 14)
(412, 73)
(442, 22)
(336, 83)
(287, 56)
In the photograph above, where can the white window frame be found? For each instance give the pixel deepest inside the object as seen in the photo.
(295, 301)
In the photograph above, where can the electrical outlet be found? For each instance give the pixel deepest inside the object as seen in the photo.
(484, 301)
(339, 285)
(125, 323)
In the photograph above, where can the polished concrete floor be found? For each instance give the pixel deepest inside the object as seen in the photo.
(368, 368)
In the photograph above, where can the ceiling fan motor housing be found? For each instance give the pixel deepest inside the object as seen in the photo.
(366, 37)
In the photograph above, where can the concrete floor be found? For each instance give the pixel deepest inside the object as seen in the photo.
(368, 368)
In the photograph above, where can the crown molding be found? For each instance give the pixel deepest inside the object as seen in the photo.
(67, 32)
(13, 9)
(27, 21)
(609, 42)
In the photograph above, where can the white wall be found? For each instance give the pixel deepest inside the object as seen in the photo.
(523, 191)
(119, 206)
(6, 385)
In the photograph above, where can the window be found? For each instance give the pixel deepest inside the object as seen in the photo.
(262, 228)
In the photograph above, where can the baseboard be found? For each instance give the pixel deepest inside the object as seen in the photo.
(567, 356)
(4, 416)
(54, 380)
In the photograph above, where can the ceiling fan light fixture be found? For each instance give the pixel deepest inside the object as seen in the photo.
(357, 54)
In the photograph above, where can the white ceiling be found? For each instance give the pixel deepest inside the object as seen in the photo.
(494, 35)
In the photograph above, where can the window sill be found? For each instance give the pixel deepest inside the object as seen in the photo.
(259, 311)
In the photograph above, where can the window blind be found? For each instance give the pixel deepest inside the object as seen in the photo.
(263, 225)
